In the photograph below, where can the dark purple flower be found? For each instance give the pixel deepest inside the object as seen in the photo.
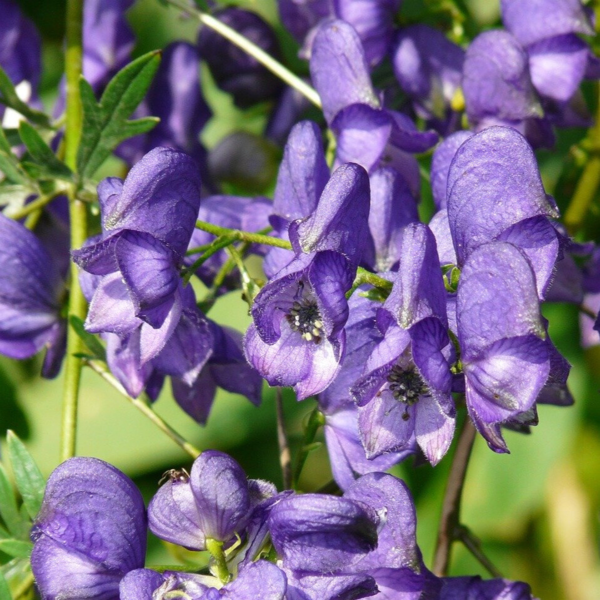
(147, 223)
(212, 503)
(20, 56)
(31, 291)
(233, 70)
(90, 531)
(428, 67)
(504, 354)
(226, 368)
(474, 588)
(107, 40)
(260, 579)
(316, 533)
(175, 97)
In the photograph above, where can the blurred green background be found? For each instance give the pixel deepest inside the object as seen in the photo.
(536, 510)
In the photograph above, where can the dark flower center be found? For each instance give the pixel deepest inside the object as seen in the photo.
(305, 318)
(406, 385)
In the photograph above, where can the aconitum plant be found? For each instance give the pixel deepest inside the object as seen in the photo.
(336, 210)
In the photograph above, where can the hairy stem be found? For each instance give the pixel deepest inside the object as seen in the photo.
(143, 405)
(315, 420)
(450, 520)
(252, 49)
(587, 186)
(78, 218)
(284, 449)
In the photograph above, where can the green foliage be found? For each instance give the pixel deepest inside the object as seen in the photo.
(106, 124)
(9, 163)
(9, 97)
(9, 510)
(46, 165)
(28, 477)
(91, 341)
(4, 589)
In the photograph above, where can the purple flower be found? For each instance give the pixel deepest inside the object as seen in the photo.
(233, 70)
(428, 67)
(261, 579)
(31, 291)
(404, 391)
(465, 588)
(297, 337)
(226, 368)
(89, 533)
(495, 173)
(176, 99)
(504, 354)
(147, 223)
(316, 533)
(213, 502)
(20, 55)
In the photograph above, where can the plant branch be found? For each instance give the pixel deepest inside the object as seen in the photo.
(252, 49)
(473, 544)
(143, 405)
(78, 217)
(587, 186)
(284, 449)
(243, 236)
(450, 520)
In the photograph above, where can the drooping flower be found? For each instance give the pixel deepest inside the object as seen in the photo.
(90, 531)
(31, 291)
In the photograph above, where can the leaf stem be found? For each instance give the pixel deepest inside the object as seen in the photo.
(243, 236)
(78, 218)
(473, 544)
(450, 520)
(37, 204)
(284, 448)
(588, 183)
(143, 405)
(215, 548)
(315, 420)
(252, 49)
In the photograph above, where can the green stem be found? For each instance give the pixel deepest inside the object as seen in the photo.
(315, 420)
(34, 206)
(78, 218)
(220, 243)
(252, 49)
(588, 183)
(215, 548)
(243, 236)
(143, 405)
(24, 586)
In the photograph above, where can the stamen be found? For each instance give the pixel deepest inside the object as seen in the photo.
(406, 386)
(305, 318)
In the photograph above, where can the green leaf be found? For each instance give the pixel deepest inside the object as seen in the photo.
(9, 510)
(46, 161)
(16, 548)
(9, 97)
(29, 480)
(4, 589)
(9, 163)
(105, 124)
(91, 341)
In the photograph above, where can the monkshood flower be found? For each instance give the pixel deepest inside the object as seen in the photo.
(297, 337)
(20, 56)
(346, 454)
(226, 368)
(31, 291)
(261, 579)
(404, 391)
(474, 588)
(372, 19)
(504, 353)
(147, 222)
(429, 67)
(214, 502)
(558, 59)
(498, 89)
(175, 97)
(366, 133)
(234, 212)
(107, 40)
(90, 531)
(495, 173)
(235, 71)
